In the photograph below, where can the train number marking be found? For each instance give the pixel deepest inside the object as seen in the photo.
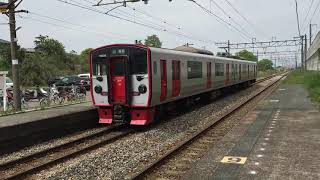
(234, 160)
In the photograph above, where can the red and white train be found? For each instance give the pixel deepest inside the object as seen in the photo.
(131, 83)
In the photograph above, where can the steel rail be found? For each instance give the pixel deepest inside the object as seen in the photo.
(182, 144)
(40, 160)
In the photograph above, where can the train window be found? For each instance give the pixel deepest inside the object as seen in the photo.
(99, 63)
(155, 67)
(219, 69)
(117, 68)
(194, 69)
(138, 61)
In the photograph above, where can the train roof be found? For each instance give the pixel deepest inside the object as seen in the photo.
(173, 51)
(163, 50)
(193, 50)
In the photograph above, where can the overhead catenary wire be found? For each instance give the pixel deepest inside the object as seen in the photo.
(72, 23)
(222, 21)
(313, 14)
(244, 18)
(68, 27)
(76, 4)
(308, 11)
(167, 27)
(229, 16)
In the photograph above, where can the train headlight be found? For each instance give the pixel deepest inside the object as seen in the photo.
(142, 89)
(98, 89)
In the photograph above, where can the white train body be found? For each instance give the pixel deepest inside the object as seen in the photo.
(131, 82)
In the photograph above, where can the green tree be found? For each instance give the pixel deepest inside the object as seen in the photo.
(265, 64)
(153, 41)
(35, 71)
(49, 46)
(84, 60)
(244, 54)
(5, 56)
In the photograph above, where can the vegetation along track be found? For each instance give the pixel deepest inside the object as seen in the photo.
(176, 161)
(33, 163)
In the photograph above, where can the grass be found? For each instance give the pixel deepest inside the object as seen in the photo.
(262, 74)
(309, 79)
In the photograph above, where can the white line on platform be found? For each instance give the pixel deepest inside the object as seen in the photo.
(253, 172)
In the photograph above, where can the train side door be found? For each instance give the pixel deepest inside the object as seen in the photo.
(163, 71)
(176, 83)
(227, 74)
(209, 77)
(118, 78)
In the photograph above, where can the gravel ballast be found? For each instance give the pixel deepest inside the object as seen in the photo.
(119, 159)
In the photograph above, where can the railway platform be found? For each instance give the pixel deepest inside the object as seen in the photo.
(16, 128)
(280, 139)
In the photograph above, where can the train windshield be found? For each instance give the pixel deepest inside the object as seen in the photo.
(137, 60)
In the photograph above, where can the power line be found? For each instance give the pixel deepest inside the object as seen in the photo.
(71, 28)
(76, 4)
(298, 22)
(221, 20)
(176, 30)
(122, 13)
(225, 13)
(242, 16)
(309, 9)
(314, 13)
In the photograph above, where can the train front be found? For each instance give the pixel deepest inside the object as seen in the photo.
(121, 84)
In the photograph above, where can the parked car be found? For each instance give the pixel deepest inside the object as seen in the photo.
(53, 80)
(87, 75)
(72, 81)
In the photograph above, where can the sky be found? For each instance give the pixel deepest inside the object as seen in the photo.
(175, 23)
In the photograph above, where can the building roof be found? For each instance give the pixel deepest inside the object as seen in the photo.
(4, 41)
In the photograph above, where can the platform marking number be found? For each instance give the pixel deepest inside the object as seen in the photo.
(234, 160)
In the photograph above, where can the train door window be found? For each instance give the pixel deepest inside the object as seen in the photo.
(176, 70)
(209, 70)
(117, 67)
(163, 72)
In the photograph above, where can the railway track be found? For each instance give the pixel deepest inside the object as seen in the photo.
(175, 162)
(33, 163)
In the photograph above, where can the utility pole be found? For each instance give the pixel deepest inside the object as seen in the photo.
(305, 50)
(310, 30)
(15, 61)
(302, 51)
(228, 46)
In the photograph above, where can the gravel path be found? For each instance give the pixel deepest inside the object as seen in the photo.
(117, 160)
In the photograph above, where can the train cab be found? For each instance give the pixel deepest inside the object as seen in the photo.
(121, 84)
